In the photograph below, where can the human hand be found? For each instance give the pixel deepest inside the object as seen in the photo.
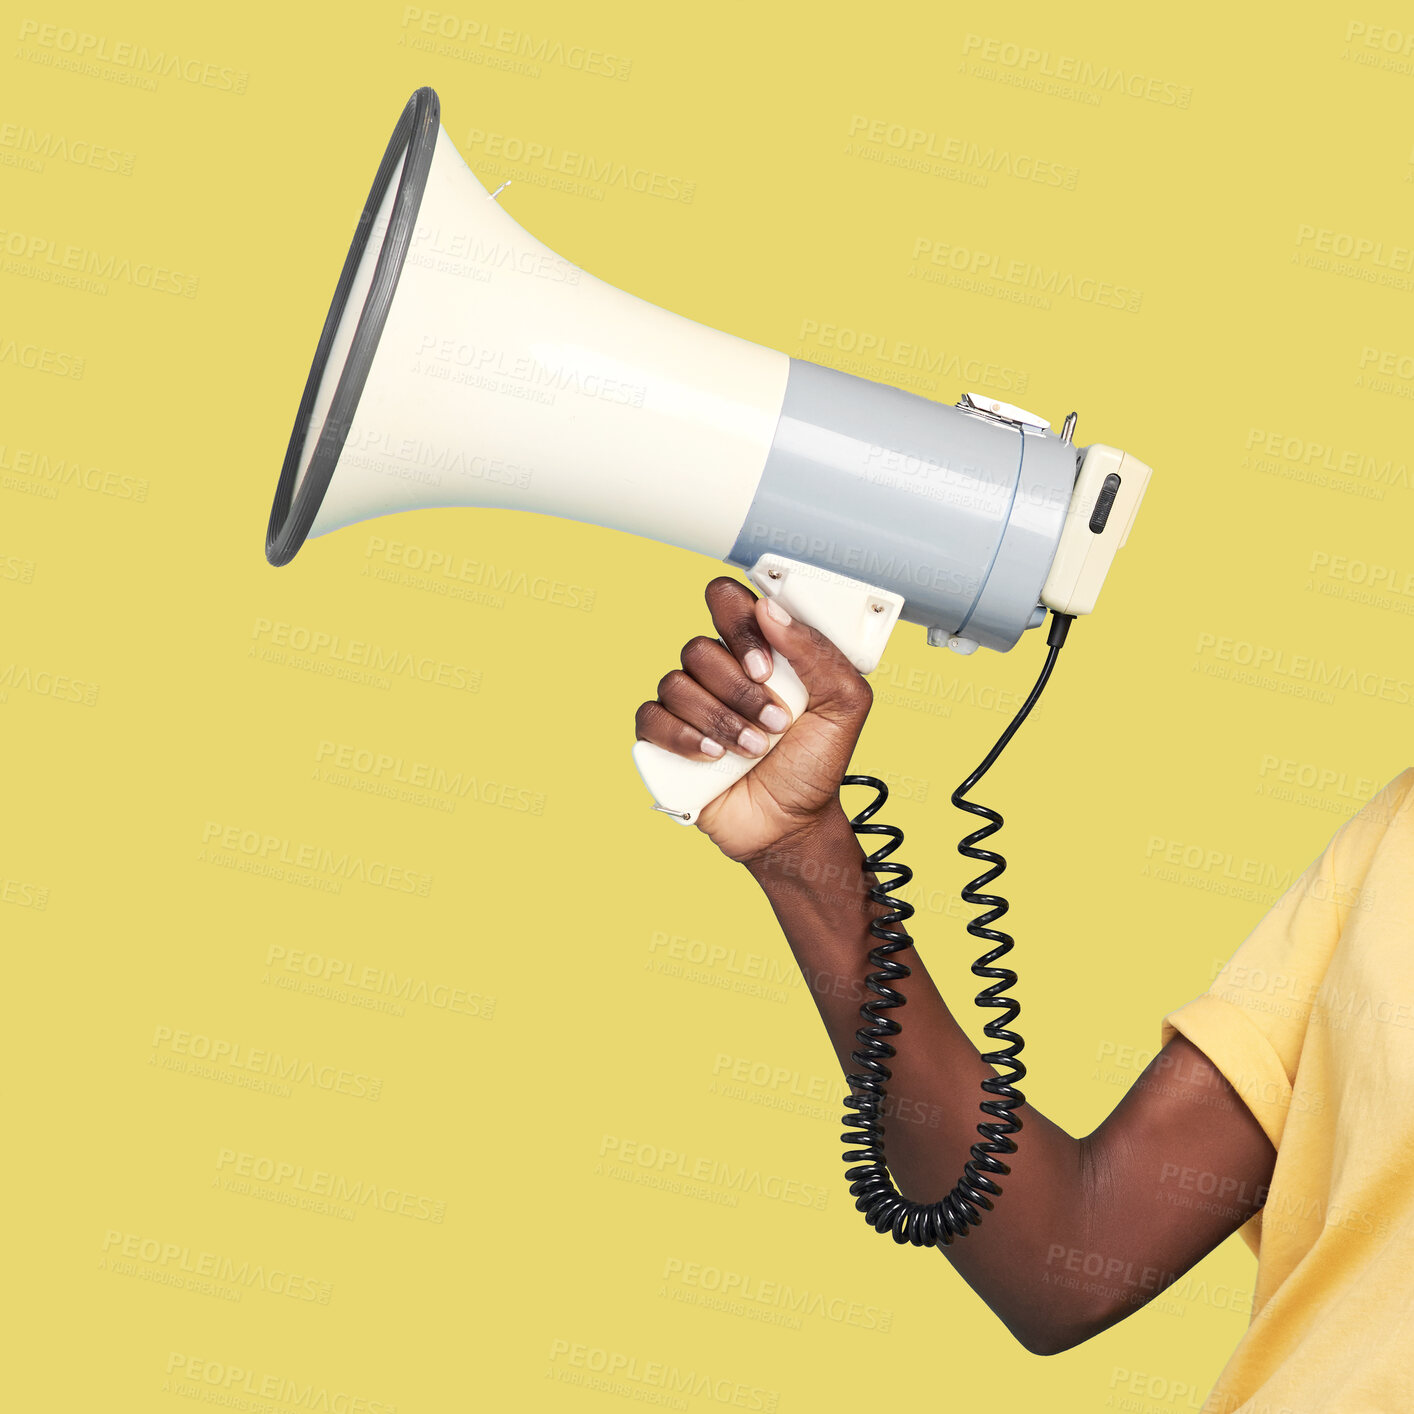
(717, 697)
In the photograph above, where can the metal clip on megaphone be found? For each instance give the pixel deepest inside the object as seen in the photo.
(463, 363)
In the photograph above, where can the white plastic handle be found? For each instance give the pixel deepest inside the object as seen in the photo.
(855, 616)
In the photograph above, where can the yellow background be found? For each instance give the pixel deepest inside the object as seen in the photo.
(1158, 802)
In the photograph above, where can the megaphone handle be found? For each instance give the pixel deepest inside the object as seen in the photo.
(680, 788)
(855, 616)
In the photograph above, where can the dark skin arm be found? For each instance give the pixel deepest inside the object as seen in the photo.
(1086, 1230)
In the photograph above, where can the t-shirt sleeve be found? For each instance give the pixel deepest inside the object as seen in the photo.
(1251, 1023)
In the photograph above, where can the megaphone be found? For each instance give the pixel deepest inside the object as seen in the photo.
(463, 363)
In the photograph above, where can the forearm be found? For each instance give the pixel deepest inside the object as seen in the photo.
(1084, 1230)
(819, 892)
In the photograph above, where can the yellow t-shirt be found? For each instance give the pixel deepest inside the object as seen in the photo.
(1312, 1022)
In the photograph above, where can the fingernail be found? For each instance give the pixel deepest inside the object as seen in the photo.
(751, 740)
(758, 665)
(775, 719)
(712, 748)
(776, 612)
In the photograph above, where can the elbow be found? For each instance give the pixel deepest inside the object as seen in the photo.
(1052, 1339)
(1052, 1332)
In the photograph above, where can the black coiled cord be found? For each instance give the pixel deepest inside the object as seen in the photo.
(883, 1206)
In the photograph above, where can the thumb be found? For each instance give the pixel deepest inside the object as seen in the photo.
(837, 690)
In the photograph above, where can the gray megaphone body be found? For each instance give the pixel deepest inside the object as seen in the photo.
(462, 363)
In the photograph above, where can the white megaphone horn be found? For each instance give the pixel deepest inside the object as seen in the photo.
(462, 363)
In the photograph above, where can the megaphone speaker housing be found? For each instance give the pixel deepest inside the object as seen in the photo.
(464, 363)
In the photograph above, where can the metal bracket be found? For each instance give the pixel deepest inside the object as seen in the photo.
(998, 411)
